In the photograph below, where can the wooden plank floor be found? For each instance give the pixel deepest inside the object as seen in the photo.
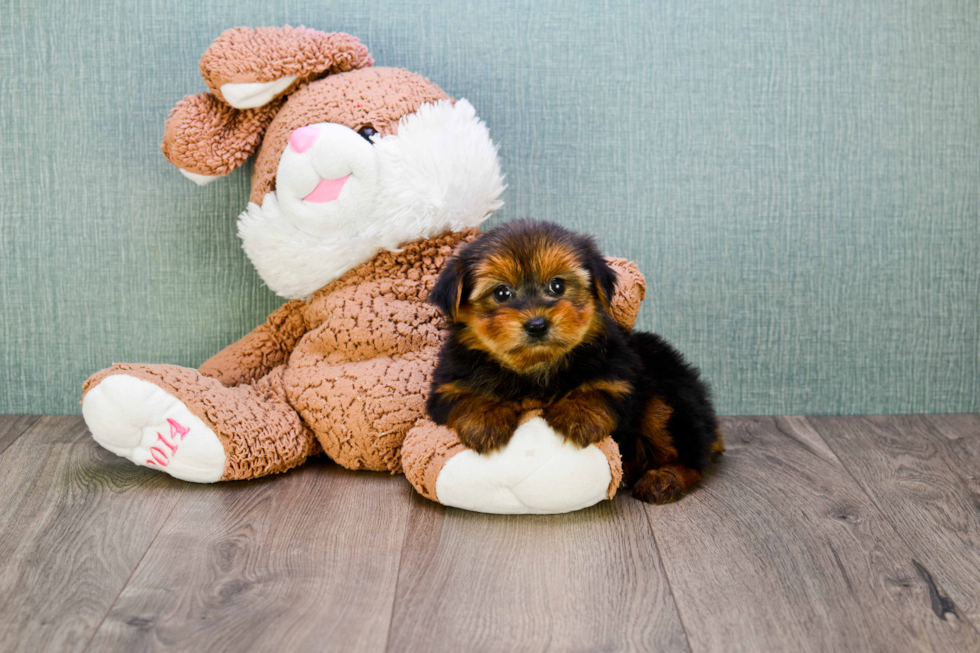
(812, 534)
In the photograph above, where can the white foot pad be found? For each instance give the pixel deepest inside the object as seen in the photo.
(141, 422)
(536, 473)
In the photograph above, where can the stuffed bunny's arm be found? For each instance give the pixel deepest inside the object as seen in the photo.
(266, 347)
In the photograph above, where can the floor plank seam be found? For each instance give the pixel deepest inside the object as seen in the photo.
(670, 583)
(966, 481)
(885, 516)
(398, 571)
(33, 420)
(133, 572)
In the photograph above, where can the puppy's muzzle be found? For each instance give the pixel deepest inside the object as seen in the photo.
(537, 327)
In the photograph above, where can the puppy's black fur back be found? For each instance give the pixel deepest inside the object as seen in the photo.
(664, 373)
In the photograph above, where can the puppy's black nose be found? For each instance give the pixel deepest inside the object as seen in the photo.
(536, 326)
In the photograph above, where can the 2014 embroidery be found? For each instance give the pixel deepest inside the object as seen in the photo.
(159, 456)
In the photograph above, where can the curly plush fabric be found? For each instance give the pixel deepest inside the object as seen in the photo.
(266, 347)
(609, 447)
(425, 451)
(360, 353)
(243, 55)
(205, 136)
(631, 288)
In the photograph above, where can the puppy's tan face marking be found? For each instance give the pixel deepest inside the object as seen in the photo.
(556, 260)
(518, 283)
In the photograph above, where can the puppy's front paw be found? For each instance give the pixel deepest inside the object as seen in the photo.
(665, 484)
(488, 429)
(584, 418)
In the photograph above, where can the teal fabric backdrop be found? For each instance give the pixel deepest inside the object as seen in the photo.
(799, 181)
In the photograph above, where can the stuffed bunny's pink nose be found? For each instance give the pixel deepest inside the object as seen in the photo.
(303, 138)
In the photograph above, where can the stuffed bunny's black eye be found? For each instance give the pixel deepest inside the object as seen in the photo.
(367, 133)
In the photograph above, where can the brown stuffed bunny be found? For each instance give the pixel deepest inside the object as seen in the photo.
(365, 181)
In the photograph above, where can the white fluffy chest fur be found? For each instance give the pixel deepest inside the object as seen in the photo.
(440, 172)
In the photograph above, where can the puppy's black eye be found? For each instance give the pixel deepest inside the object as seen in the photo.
(502, 293)
(556, 286)
(367, 133)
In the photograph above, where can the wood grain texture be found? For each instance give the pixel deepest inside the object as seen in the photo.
(781, 550)
(75, 522)
(820, 534)
(300, 562)
(586, 581)
(923, 473)
(11, 426)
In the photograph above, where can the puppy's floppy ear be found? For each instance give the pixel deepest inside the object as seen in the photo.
(603, 279)
(447, 294)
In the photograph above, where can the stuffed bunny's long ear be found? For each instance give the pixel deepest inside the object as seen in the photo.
(207, 139)
(248, 68)
(250, 72)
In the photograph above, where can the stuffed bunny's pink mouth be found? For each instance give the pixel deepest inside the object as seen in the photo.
(327, 190)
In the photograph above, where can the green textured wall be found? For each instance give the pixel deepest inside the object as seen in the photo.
(799, 181)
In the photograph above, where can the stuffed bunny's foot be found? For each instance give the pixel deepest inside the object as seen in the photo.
(538, 472)
(141, 422)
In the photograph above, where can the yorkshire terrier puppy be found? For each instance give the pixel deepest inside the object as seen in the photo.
(529, 305)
